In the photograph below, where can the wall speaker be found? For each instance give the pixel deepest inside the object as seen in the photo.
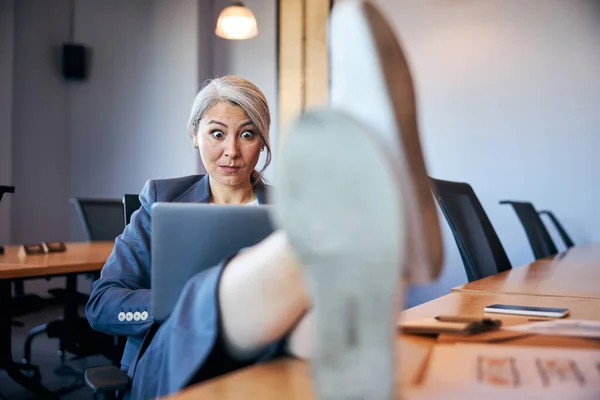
(74, 62)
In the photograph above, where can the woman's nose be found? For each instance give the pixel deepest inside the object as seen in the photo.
(231, 147)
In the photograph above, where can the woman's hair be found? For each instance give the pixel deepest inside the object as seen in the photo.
(240, 92)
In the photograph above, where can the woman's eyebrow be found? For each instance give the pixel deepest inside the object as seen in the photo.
(214, 121)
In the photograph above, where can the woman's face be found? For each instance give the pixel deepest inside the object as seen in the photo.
(228, 143)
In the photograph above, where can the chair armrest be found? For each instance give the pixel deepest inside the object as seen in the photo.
(106, 379)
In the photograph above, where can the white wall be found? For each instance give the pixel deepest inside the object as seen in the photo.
(254, 59)
(6, 84)
(508, 95)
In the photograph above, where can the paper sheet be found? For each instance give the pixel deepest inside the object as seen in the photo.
(567, 327)
(510, 372)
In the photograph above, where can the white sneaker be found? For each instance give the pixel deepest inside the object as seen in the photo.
(338, 199)
(371, 81)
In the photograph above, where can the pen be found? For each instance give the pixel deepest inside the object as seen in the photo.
(483, 321)
(451, 318)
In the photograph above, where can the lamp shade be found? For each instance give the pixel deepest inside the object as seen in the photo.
(236, 22)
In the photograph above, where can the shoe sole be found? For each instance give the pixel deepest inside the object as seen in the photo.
(371, 81)
(337, 197)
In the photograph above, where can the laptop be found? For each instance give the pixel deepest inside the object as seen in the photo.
(188, 238)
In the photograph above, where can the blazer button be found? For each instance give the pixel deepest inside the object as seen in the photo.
(137, 316)
(144, 315)
(129, 316)
(121, 316)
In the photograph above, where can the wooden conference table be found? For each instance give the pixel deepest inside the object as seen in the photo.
(78, 258)
(574, 273)
(570, 279)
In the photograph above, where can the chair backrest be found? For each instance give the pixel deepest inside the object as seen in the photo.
(6, 189)
(480, 249)
(102, 218)
(537, 234)
(131, 203)
(561, 230)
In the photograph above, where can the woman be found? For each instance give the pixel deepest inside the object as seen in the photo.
(229, 125)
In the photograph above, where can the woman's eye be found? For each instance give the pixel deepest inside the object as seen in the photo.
(217, 134)
(247, 135)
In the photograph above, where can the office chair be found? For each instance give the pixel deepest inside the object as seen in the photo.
(479, 246)
(131, 203)
(18, 283)
(105, 381)
(561, 230)
(102, 220)
(21, 303)
(537, 234)
(6, 189)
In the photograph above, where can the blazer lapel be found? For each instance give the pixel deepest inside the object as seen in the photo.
(198, 193)
(261, 192)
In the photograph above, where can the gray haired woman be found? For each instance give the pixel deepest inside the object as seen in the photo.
(225, 323)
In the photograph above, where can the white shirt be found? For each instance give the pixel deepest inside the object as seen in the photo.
(250, 203)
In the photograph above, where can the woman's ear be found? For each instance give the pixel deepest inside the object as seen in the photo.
(196, 140)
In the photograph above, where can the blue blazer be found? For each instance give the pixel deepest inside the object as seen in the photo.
(119, 303)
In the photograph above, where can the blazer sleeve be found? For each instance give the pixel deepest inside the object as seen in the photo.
(119, 303)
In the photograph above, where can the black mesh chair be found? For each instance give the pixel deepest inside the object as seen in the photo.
(480, 249)
(6, 189)
(106, 381)
(20, 304)
(102, 220)
(561, 230)
(131, 203)
(537, 234)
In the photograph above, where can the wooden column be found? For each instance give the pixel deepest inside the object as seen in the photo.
(303, 57)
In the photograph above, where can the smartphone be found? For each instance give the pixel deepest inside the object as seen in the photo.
(527, 310)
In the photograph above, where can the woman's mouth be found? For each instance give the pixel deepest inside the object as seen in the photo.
(229, 170)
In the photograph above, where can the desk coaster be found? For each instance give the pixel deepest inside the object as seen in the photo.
(29, 249)
(54, 247)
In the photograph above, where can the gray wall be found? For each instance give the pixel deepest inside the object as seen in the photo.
(40, 123)
(128, 121)
(6, 84)
(108, 135)
(508, 94)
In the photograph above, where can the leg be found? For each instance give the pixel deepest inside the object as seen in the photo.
(265, 280)
(301, 339)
